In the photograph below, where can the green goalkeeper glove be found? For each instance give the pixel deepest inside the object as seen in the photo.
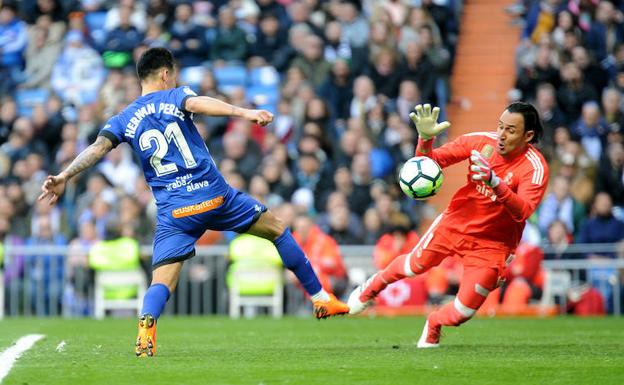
(426, 121)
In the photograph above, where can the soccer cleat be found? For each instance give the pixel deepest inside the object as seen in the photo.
(324, 309)
(430, 337)
(146, 340)
(355, 302)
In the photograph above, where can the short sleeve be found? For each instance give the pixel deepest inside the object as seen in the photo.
(180, 95)
(113, 131)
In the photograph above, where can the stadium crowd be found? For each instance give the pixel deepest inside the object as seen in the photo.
(341, 77)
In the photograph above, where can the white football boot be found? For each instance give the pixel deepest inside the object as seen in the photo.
(430, 337)
(356, 306)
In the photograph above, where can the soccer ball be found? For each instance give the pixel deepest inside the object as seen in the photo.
(420, 177)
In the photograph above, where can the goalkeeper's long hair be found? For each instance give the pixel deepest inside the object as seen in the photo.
(532, 121)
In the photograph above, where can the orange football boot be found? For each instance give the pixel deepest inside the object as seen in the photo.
(146, 340)
(324, 309)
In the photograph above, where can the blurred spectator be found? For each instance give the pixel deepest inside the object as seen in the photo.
(410, 32)
(188, 43)
(40, 58)
(22, 141)
(299, 13)
(560, 205)
(384, 73)
(121, 41)
(8, 115)
(337, 89)
(381, 38)
(399, 239)
(355, 29)
(409, 96)
(49, 8)
(159, 12)
(359, 197)
(551, 115)
(610, 176)
(541, 71)
(310, 174)
(335, 47)
(259, 189)
(574, 91)
(78, 73)
(606, 29)
(323, 253)
(276, 8)
(602, 227)
(270, 37)
(279, 178)
(559, 238)
(229, 44)
(13, 42)
(97, 187)
(137, 18)
(540, 19)
(339, 221)
(593, 73)
(119, 168)
(364, 98)
(565, 23)
(613, 114)
(418, 67)
(311, 61)
(245, 152)
(440, 58)
(45, 272)
(591, 130)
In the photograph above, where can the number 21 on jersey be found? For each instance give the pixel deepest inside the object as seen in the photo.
(173, 133)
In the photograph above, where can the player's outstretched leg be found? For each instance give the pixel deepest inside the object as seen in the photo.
(164, 280)
(427, 253)
(268, 226)
(362, 296)
(475, 286)
(325, 304)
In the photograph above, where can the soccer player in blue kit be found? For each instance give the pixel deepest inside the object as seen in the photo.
(191, 195)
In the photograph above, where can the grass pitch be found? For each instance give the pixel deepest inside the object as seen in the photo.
(305, 351)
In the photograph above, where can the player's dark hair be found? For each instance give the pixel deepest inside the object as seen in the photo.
(153, 60)
(531, 117)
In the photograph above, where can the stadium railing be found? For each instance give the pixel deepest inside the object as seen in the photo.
(36, 284)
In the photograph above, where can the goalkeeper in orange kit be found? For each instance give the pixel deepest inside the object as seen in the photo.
(483, 222)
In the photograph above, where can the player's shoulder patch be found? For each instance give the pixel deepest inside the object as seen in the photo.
(187, 90)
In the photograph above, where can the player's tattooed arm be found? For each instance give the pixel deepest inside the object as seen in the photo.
(54, 185)
(88, 157)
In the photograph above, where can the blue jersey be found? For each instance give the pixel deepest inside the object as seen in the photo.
(175, 159)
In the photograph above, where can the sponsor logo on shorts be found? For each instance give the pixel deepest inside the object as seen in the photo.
(198, 208)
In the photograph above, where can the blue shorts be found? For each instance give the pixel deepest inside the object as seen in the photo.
(178, 229)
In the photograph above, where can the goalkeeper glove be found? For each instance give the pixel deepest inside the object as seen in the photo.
(426, 121)
(480, 170)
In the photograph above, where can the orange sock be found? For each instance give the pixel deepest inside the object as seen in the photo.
(393, 272)
(448, 315)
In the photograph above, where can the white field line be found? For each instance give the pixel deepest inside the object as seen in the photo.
(9, 356)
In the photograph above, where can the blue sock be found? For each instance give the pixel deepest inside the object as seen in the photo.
(295, 260)
(155, 299)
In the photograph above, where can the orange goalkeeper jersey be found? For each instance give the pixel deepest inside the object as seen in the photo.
(476, 210)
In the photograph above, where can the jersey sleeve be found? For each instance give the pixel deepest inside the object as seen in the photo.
(450, 153)
(180, 95)
(113, 131)
(531, 189)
